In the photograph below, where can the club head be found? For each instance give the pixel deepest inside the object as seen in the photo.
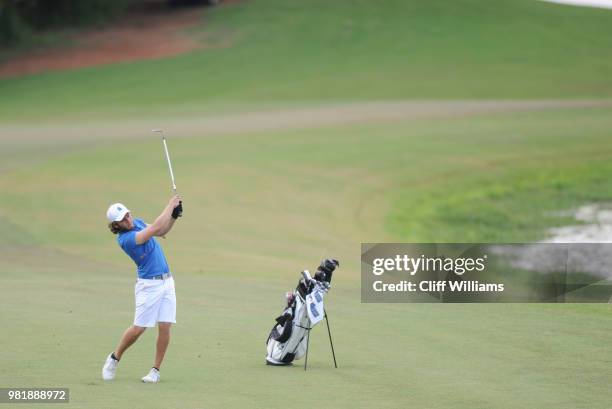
(160, 132)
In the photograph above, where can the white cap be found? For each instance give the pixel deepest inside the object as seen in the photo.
(116, 212)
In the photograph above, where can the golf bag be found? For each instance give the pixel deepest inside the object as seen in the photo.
(288, 339)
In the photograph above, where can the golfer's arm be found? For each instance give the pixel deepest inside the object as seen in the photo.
(168, 227)
(157, 228)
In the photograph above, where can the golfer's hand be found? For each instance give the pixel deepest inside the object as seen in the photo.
(177, 211)
(174, 201)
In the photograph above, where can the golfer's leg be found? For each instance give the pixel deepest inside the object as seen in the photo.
(166, 317)
(163, 339)
(148, 295)
(129, 337)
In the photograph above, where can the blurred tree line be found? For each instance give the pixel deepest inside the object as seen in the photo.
(19, 18)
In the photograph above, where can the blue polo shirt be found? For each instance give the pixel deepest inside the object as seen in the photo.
(149, 256)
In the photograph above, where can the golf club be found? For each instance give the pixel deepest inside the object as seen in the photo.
(167, 157)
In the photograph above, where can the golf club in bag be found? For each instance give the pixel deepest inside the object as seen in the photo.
(288, 340)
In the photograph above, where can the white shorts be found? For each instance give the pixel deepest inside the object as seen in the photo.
(155, 302)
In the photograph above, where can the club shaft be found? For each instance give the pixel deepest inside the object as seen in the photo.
(169, 163)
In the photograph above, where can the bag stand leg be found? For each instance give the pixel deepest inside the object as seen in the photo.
(330, 341)
(307, 344)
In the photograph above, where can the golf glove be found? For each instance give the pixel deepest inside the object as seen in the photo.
(178, 210)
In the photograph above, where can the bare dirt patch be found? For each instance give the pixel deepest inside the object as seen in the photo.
(140, 35)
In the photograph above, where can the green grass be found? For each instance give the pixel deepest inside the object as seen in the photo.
(504, 179)
(262, 205)
(266, 52)
(478, 178)
(434, 356)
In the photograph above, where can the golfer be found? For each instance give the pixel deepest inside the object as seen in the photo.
(154, 290)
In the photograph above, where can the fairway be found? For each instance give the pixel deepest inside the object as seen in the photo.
(476, 121)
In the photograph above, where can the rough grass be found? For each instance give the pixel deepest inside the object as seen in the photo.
(504, 179)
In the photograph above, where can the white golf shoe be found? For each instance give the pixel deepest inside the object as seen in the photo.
(110, 368)
(152, 376)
